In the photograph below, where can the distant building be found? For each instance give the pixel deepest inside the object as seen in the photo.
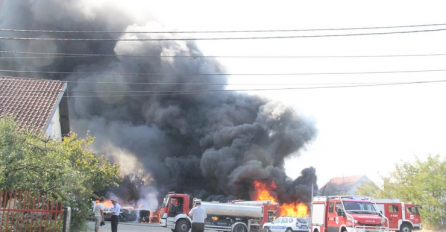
(346, 185)
(40, 104)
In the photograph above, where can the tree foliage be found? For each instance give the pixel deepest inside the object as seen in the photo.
(421, 182)
(66, 171)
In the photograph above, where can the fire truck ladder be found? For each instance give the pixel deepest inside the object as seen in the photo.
(354, 197)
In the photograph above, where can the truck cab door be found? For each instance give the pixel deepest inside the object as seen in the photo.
(382, 210)
(413, 215)
(332, 226)
(393, 213)
(341, 219)
(174, 208)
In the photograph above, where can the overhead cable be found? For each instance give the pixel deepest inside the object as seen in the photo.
(225, 74)
(217, 38)
(223, 31)
(92, 55)
(155, 93)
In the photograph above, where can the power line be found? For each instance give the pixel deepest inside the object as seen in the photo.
(220, 38)
(151, 93)
(227, 74)
(88, 55)
(186, 83)
(223, 31)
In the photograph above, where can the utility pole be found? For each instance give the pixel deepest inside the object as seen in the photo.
(311, 205)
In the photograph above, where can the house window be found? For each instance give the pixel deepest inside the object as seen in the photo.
(330, 208)
(393, 209)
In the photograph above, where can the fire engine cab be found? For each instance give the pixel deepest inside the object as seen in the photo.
(346, 214)
(234, 216)
(403, 217)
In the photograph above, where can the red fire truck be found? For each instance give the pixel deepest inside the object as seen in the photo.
(346, 214)
(402, 216)
(229, 217)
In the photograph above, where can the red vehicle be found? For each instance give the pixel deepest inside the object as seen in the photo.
(346, 214)
(229, 217)
(402, 216)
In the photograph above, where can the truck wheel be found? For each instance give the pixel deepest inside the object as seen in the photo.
(182, 226)
(289, 230)
(239, 228)
(405, 228)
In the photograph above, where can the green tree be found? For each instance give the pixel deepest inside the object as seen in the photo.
(421, 182)
(66, 171)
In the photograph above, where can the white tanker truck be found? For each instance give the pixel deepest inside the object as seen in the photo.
(230, 217)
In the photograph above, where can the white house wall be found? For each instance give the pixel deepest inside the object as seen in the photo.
(354, 187)
(54, 129)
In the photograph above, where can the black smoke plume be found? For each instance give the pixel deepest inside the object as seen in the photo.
(211, 145)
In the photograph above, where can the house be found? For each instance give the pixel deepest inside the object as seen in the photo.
(38, 103)
(345, 185)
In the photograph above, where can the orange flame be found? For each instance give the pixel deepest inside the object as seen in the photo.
(106, 203)
(109, 204)
(154, 217)
(294, 209)
(263, 193)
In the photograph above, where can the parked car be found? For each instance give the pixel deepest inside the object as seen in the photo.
(287, 224)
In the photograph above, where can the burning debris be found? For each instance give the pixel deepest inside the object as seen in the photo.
(212, 145)
(266, 192)
(131, 213)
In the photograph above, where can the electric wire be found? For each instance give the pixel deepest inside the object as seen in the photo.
(152, 93)
(227, 31)
(226, 74)
(217, 38)
(71, 55)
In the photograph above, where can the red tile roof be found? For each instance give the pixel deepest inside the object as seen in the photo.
(343, 184)
(31, 101)
(345, 180)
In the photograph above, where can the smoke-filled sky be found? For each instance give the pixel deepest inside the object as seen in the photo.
(364, 130)
(211, 145)
(360, 130)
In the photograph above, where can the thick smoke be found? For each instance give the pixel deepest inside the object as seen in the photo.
(211, 145)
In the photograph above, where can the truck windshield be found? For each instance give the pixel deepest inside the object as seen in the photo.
(359, 207)
(166, 201)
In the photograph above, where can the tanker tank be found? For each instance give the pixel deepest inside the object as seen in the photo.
(232, 210)
(252, 202)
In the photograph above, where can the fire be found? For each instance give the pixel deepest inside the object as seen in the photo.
(109, 204)
(154, 217)
(294, 209)
(263, 193)
(106, 203)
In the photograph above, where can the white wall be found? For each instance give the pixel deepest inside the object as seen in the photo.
(54, 129)
(353, 189)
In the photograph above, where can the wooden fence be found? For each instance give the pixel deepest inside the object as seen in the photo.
(22, 211)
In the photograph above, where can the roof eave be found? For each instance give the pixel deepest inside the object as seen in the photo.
(54, 109)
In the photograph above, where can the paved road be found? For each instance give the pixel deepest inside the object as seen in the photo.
(130, 227)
